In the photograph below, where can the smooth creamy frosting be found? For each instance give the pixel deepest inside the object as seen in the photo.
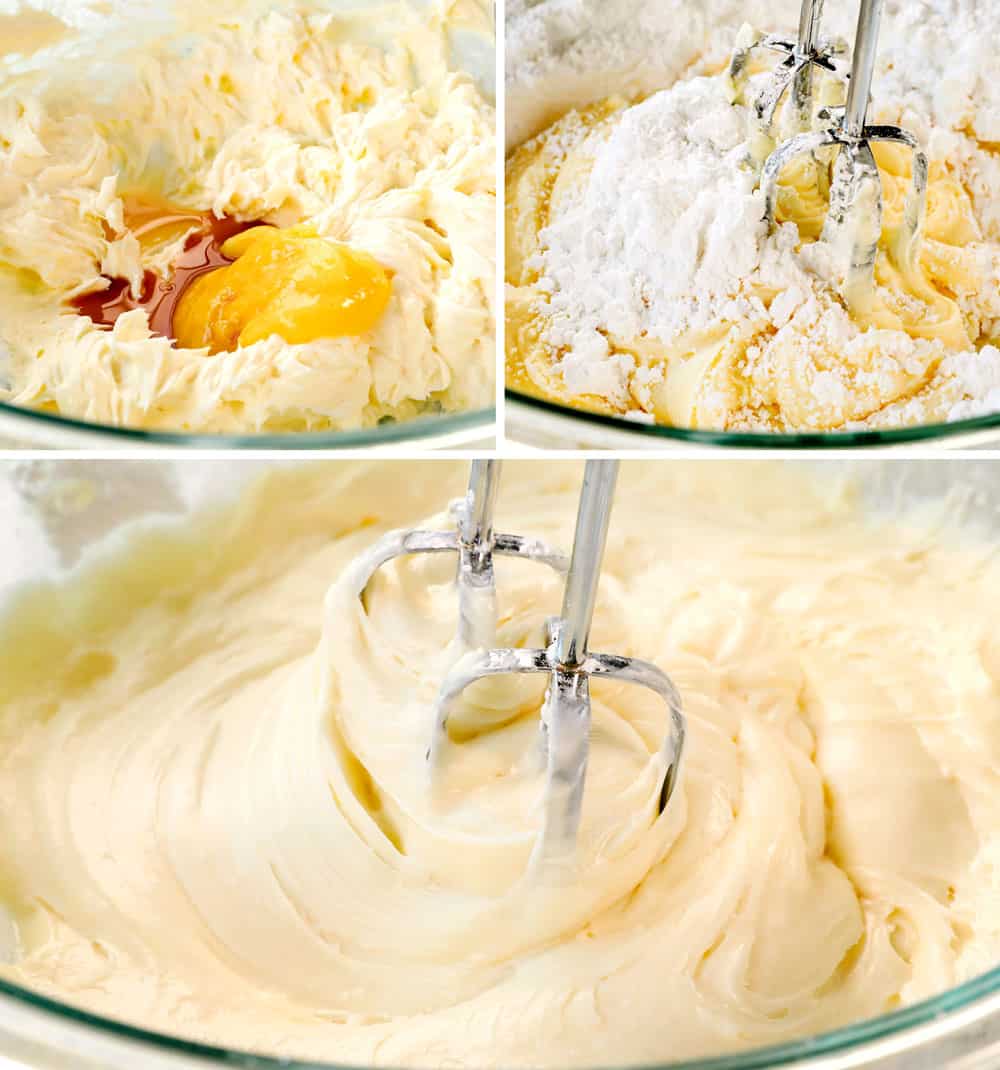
(368, 137)
(216, 817)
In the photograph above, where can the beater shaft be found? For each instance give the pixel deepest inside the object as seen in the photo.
(565, 715)
(810, 18)
(592, 522)
(476, 583)
(862, 69)
(475, 526)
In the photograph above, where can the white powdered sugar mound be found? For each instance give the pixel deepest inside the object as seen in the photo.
(657, 241)
(978, 375)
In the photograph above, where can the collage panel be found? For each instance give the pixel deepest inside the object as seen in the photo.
(694, 765)
(479, 733)
(261, 224)
(752, 224)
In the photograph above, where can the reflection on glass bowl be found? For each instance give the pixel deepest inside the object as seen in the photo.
(544, 423)
(28, 427)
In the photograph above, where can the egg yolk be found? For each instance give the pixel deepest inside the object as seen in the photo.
(285, 282)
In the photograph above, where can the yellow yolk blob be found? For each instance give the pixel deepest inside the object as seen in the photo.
(289, 283)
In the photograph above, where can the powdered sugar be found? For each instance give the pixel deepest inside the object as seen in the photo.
(658, 238)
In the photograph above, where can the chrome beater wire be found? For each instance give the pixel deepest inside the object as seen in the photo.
(569, 664)
(475, 542)
(803, 56)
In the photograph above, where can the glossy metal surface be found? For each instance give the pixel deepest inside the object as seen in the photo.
(565, 716)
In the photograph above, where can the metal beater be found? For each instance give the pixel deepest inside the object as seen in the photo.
(475, 542)
(795, 71)
(566, 659)
(569, 664)
(855, 214)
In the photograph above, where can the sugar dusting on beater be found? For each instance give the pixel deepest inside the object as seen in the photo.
(854, 222)
(794, 73)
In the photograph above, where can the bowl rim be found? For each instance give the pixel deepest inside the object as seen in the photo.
(757, 440)
(930, 1012)
(404, 431)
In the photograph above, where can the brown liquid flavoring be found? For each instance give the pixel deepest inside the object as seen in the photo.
(159, 297)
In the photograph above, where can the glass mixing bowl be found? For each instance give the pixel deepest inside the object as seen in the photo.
(26, 428)
(115, 23)
(544, 81)
(544, 424)
(56, 510)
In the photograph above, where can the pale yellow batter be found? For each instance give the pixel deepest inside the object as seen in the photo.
(216, 820)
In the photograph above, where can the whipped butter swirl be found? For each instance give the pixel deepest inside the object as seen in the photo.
(216, 819)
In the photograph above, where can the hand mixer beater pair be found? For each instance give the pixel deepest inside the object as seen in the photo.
(854, 220)
(566, 659)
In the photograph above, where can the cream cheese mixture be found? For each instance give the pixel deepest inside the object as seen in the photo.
(642, 279)
(355, 133)
(216, 819)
